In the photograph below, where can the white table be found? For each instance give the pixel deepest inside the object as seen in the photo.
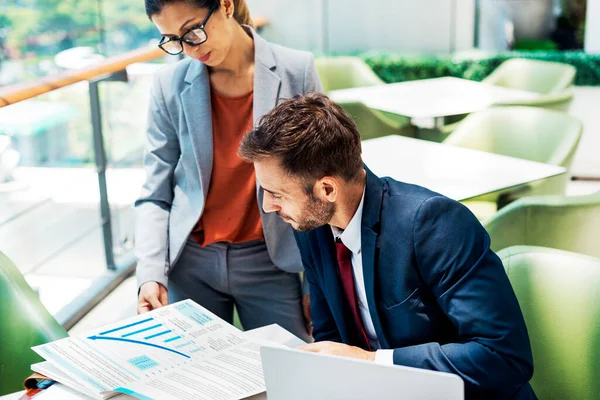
(274, 333)
(453, 171)
(432, 98)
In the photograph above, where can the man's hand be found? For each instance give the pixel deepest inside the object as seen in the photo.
(306, 311)
(339, 349)
(152, 295)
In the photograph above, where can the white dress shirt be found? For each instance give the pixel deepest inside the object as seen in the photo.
(351, 238)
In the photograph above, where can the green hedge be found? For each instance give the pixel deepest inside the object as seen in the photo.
(475, 65)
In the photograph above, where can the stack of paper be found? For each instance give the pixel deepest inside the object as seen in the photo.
(181, 351)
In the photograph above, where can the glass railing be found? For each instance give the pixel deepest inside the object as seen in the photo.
(70, 170)
(73, 101)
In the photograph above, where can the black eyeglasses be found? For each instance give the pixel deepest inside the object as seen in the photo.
(195, 36)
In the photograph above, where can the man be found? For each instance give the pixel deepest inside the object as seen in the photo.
(398, 274)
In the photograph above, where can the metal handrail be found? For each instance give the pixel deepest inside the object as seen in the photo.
(22, 91)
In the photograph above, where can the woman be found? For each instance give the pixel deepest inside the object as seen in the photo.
(200, 230)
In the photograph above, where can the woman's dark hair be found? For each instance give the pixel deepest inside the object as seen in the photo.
(241, 13)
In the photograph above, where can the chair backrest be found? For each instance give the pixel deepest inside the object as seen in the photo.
(559, 297)
(372, 123)
(24, 322)
(345, 72)
(560, 222)
(530, 133)
(541, 77)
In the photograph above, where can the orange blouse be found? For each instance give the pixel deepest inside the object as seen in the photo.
(231, 211)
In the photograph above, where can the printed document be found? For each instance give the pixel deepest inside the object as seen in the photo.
(178, 352)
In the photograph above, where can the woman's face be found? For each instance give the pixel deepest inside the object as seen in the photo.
(177, 18)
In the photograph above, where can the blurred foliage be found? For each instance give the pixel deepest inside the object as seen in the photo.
(475, 65)
(535, 45)
(45, 27)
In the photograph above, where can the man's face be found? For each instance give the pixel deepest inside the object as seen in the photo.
(286, 196)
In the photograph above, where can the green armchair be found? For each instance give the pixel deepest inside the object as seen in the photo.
(559, 297)
(350, 72)
(24, 322)
(345, 73)
(551, 80)
(560, 222)
(535, 134)
(373, 123)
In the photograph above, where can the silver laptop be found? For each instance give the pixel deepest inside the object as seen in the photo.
(298, 375)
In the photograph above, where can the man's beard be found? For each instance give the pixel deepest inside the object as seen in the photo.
(315, 214)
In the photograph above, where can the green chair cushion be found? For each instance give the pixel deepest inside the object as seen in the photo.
(561, 222)
(559, 297)
(25, 322)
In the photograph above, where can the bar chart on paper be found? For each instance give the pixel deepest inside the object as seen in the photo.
(168, 339)
(151, 333)
(168, 353)
(145, 346)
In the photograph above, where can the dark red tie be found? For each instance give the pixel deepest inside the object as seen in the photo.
(345, 263)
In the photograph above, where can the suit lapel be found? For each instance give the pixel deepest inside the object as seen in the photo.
(369, 236)
(335, 293)
(195, 100)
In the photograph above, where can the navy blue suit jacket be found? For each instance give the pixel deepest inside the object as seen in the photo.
(436, 292)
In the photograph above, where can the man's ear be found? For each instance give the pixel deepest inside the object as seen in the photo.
(326, 189)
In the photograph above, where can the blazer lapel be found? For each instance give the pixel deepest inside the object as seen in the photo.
(266, 92)
(369, 236)
(195, 100)
(266, 82)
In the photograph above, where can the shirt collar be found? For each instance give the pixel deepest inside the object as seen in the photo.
(351, 235)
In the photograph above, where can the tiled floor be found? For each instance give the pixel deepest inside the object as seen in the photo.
(50, 227)
(581, 188)
(585, 107)
(118, 305)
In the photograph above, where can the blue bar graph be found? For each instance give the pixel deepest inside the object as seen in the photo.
(158, 334)
(126, 326)
(172, 339)
(137, 342)
(141, 330)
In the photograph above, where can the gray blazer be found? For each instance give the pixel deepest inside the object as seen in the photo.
(179, 156)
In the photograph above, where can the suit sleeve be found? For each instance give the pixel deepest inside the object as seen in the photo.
(153, 206)
(472, 289)
(324, 326)
(312, 82)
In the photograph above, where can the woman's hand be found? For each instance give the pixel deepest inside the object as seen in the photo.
(152, 295)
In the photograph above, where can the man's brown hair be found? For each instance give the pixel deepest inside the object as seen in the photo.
(311, 136)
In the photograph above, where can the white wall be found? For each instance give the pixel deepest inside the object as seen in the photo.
(592, 27)
(350, 26)
(464, 24)
(411, 26)
(292, 23)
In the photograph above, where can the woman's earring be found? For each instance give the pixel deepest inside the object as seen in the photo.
(229, 15)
